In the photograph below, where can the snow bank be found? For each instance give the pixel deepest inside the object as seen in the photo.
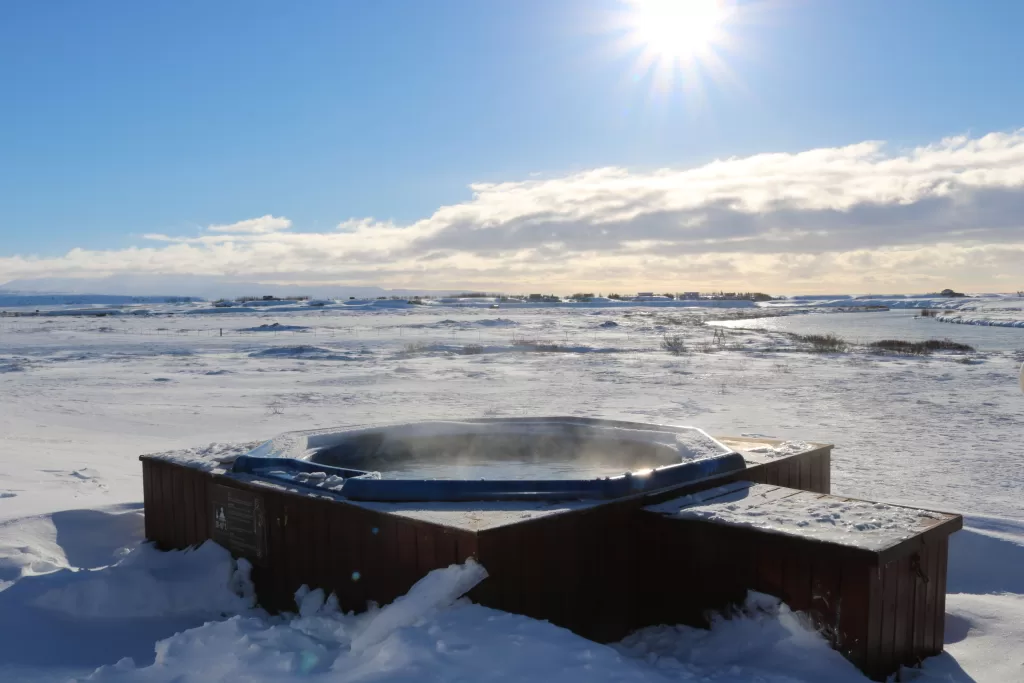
(762, 636)
(986, 321)
(150, 583)
(430, 635)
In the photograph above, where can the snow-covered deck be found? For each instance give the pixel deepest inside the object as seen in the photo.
(859, 524)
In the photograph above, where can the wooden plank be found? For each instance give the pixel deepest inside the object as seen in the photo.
(852, 613)
(904, 612)
(826, 466)
(931, 598)
(177, 538)
(447, 547)
(508, 564)
(272, 586)
(795, 468)
(148, 502)
(166, 529)
(940, 616)
(320, 567)
(826, 585)
(159, 503)
(781, 467)
(816, 474)
(919, 563)
(771, 473)
(426, 550)
(756, 473)
(887, 659)
(797, 579)
(873, 654)
(188, 499)
(353, 577)
(806, 467)
(385, 543)
(407, 553)
(770, 558)
(202, 509)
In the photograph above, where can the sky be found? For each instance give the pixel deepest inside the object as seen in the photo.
(777, 145)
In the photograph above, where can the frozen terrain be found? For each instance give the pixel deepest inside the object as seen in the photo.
(82, 397)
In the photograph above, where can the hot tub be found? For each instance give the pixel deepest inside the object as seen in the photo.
(558, 458)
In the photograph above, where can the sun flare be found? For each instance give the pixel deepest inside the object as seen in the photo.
(678, 29)
(677, 41)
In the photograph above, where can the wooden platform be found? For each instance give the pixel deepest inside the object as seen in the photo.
(571, 562)
(600, 568)
(871, 576)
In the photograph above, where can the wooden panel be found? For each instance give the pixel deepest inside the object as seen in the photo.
(931, 599)
(180, 513)
(886, 658)
(385, 551)
(919, 563)
(781, 469)
(202, 507)
(770, 560)
(816, 466)
(826, 467)
(794, 472)
(806, 468)
(904, 612)
(797, 580)
(189, 536)
(407, 552)
(940, 591)
(167, 538)
(148, 507)
(320, 574)
(426, 543)
(853, 606)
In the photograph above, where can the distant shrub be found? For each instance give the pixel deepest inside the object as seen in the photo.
(416, 347)
(824, 343)
(472, 350)
(674, 344)
(923, 348)
(928, 313)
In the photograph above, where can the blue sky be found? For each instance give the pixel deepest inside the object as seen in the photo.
(122, 119)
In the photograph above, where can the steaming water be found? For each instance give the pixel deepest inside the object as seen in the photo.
(505, 469)
(864, 328)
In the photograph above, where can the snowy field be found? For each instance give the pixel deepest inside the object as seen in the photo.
(82, 397)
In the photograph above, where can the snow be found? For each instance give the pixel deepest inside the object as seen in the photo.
(80, 405)
(861, 524)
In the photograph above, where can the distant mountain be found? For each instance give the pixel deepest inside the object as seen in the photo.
(207, 287)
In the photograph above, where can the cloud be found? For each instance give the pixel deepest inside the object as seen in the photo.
(846, 218)
(256, 226)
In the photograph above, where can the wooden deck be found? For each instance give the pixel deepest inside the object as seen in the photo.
(599, 568)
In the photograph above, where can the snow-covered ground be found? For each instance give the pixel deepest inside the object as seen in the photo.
(81, 397)
(1000, 310)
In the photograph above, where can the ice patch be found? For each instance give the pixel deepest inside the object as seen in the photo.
(437, 589)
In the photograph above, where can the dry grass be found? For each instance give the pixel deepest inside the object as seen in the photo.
(909, 348)
(674, 344)
(823, 343)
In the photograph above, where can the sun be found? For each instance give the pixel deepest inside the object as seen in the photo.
(677, 40)
(678, 29)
